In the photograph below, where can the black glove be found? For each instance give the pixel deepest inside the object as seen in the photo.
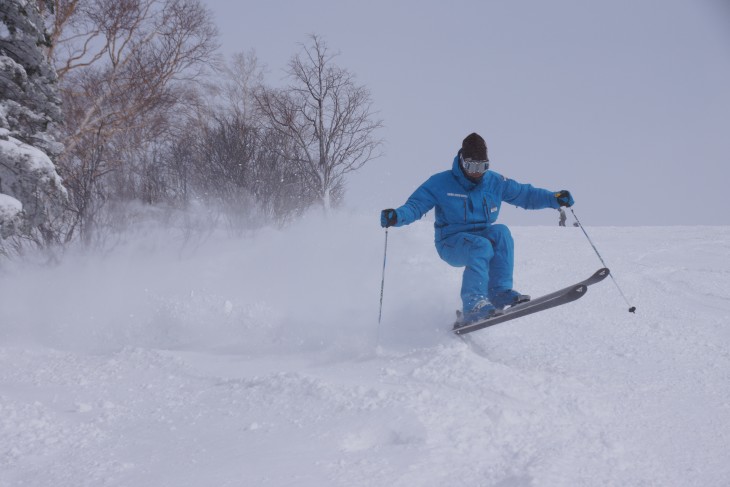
(564, 198)
(388, 218)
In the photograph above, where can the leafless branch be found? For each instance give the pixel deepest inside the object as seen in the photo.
(327, 115)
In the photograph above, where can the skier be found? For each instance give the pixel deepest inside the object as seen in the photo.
(562, 218)
(467, 200)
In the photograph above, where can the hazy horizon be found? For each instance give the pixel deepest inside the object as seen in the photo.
(624, 104)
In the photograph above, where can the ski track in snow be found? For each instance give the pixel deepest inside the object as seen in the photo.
(254, 362)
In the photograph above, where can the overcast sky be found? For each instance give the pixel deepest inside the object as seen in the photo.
(625, 103)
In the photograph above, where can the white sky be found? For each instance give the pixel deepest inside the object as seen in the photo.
(625, 103)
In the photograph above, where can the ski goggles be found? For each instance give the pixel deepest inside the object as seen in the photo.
(474, 167)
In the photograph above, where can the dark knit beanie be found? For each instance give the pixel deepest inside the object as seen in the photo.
(474, 148)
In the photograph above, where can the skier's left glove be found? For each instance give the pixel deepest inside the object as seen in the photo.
(388, 218)
(564, 198)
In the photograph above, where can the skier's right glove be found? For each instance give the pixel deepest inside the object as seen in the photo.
(388, 218)
(564, 198)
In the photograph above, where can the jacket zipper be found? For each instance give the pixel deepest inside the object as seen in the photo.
(486, 208)
(465, 219)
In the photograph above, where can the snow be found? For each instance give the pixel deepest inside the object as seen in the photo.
(30, 177)
(259, 361)
(9, 207)
(4, 32)
(35, 159)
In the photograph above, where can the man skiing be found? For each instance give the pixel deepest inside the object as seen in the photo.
(467, 200)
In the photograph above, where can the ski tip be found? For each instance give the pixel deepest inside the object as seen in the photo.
(603, 271)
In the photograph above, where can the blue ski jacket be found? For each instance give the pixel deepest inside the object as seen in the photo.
(465, 206)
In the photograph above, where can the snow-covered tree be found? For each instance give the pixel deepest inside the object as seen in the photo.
(31, 191)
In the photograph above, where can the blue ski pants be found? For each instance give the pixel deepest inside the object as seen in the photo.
(487, 258)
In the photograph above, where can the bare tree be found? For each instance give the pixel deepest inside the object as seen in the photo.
(327, 117)
(128, 54)
(244, 76)
(231, 161)
(124, 66)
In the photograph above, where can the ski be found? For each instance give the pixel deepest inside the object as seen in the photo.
(551, 300)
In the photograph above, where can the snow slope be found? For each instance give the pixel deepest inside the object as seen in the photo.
(259, 361)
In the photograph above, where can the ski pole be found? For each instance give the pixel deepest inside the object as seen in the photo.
(632, 309)
(382, 283)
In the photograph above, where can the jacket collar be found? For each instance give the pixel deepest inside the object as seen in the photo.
(458, 173)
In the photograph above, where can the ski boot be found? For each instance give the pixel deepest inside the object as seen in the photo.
(481, 311)
(508, 297)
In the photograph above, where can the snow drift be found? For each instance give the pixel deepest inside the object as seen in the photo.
(259, 361)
